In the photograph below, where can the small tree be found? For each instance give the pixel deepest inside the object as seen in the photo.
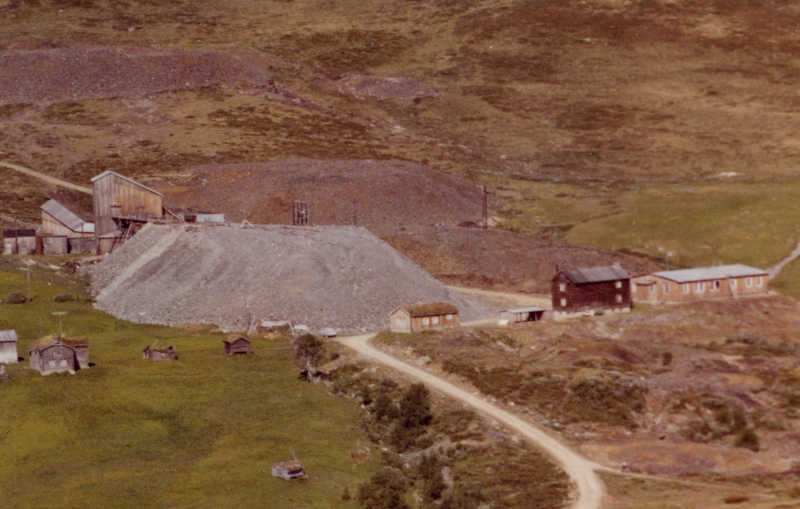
(384, 490)
(308, 351)
(415, 407)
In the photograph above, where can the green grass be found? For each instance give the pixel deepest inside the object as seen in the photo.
(203, 431)
(788, 280)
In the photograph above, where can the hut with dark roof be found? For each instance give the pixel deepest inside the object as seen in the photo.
(235, 344)
(590, 291)
(51, 354)
(417, 317)
(8, 347)
(152, 353)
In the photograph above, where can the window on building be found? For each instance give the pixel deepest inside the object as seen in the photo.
(563, 303)
(426, 321)
(700, 286)
(666, 288)
(618, 284)
(562, 287)
(685, 287)
(759, 281)
(435, 320)
(449, 317)
(748, 282)
(619, 298)
(52, 364)
(733, 283)
(63, 362)
(401, 322)
(652, 288)
(714, 286)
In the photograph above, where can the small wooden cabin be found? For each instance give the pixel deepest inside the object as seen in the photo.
(121, 202)
(58, 220)
(417, 317)
(684, 285)
(288, 470)
(151, 353)
(237, 345)
(8, 347)
(49, 354)
(19, 242)
(590, 291)
(519, 315)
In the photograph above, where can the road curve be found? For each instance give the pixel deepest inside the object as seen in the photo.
(47, 178)
(580, 470)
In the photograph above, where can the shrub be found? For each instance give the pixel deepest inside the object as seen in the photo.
(346, 494)
(384, 490)
(64, 297)
(748, 439)
(16, 298)
(430, 471)
(308, 352)
(415, 407)
(461, 499)
(666, 358)
(736, 499)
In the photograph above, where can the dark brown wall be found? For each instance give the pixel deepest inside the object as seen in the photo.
(585, 296)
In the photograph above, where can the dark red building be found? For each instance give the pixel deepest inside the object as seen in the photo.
(590, 291)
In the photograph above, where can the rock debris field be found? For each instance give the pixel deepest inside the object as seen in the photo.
(234, 277)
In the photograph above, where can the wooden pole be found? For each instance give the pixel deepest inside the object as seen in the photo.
(28, 270)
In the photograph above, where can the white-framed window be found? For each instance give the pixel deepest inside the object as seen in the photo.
(666, 288)
(52, 364)
(652, 288)
(63, 363)
(618, 284)
(759, 281)
(563, 303)
(401, 322)
(715, 286)
(700, 286)
(733, 283)
(748, 282)
(685, 287)
(449, 317)
(426, 321)
(562, 287)
(435, 320)
(619, 298)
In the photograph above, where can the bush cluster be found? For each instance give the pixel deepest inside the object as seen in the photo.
(15, 298)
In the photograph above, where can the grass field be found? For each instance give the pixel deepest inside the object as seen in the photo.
(203, 431)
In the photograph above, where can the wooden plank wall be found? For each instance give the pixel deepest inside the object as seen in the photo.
(133, 199)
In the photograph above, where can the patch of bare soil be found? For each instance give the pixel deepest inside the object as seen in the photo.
(81, 73)
(695, 389)
(381, 87)
(234, 277)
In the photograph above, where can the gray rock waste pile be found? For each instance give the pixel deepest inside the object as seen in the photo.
(231, 276)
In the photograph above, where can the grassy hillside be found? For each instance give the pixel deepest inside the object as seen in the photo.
(203, 431)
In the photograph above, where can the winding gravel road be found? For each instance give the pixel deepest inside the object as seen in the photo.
(47, 178)
(581, 471)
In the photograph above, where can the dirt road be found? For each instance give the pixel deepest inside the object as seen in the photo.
(588, 486)
(47, 178)
(775, 269)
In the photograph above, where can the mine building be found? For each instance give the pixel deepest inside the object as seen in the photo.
(236, 345)
(65, 231)
(520, 315)
(702, 283)
(121, 207)
(8, 347)
(590, 291)
(152, 353)
(19, 242)
(417, 317)
(51, 354)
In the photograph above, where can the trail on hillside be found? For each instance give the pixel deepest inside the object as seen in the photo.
(776, 269)
(47, 178)
(581, 471)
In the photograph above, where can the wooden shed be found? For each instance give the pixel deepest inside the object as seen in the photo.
(121, 203)
(58, 220)
(81, 347)
(236, 344)
(49, 354)
(590, 291)
(8, 347)
(54, 245)
(151, 353)
(19, 242)
(417, 317)
(703, 283)
(519, 315)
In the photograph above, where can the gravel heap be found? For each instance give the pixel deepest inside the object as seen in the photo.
(322, 276)
(79, 73)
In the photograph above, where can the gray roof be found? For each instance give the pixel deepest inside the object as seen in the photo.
(707, 273)
(8, 336)
(67, 217)
(596, 274)
(123, 177)
(523, 310)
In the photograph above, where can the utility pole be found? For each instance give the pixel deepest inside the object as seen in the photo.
(28, 271)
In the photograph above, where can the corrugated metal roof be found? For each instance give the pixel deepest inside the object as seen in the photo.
(67, 217)
(707, 273)
(596, 274)
(123, 177)
(431, 308)
(8, 336)
(523, 310)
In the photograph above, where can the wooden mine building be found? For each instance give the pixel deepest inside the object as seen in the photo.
(65, 231)
(8, 347)
(151, 353)
(699, 284)
(121, 207)
(51, 354)
(417, 317)
(590, 291)
(19, 242)
(236, 344)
